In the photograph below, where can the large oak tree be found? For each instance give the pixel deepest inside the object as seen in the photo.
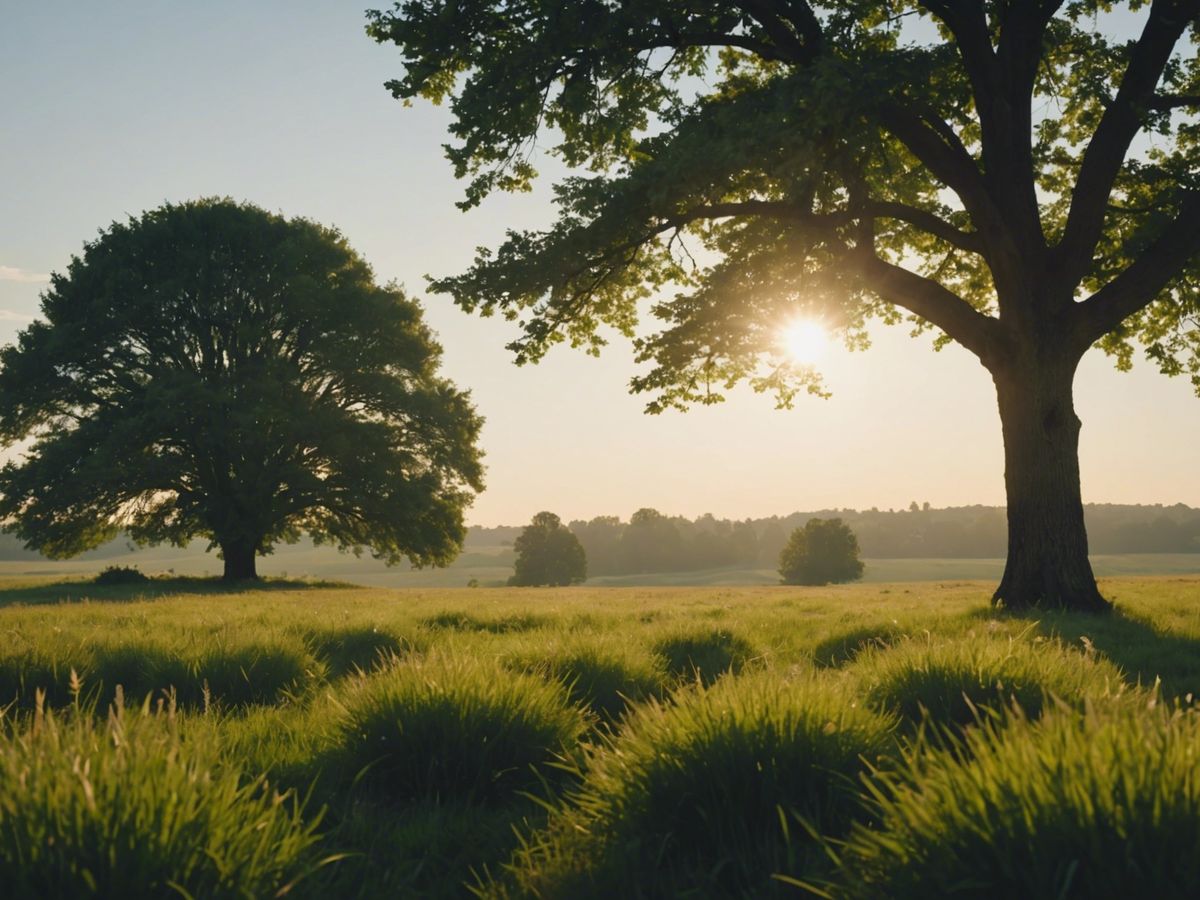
(209, 369)
(1020, 175)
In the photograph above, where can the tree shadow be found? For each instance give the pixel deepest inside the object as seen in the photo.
(1142, 651)
(87, 591)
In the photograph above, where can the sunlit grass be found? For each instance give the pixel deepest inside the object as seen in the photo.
(126, 806)
(640, 741)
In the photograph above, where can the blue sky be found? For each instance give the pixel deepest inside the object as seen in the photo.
(114, 108)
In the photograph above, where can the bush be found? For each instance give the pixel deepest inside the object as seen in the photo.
(703, 654)
(824, 551)
(121, 575)
(455, 728)
(124, 807)
(950, 679)
(1100, 805)
(699, 797)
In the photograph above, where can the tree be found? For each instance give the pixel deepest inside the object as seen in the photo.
(981, 169)
(548, 553)
(824, 551)
(212, 370)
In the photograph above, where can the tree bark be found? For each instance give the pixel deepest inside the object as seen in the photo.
(1047, 565)
(240, 560)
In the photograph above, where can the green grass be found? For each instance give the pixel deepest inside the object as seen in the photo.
(701, 795)
(1100, 805)
(645, 741)
(127, 806)
(453, 727)
(955, 681)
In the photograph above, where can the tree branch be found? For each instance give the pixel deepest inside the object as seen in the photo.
(924, 297)
(949, 161)
(1165, 102)
(776, 25)
(971, 241)
(1105, 153)
(1137, 286)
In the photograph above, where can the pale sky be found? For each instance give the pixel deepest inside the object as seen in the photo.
(110, 109)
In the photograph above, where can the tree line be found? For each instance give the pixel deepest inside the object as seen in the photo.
(651, 541)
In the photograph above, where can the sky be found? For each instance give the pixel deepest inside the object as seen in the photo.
(111, 109)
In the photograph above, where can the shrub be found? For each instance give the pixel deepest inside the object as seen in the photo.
(455, 728)
(950, 679)
(121, 575)
(699, 797)
(125, 807)
(1100, 805)
(704, 654)
(824, 551)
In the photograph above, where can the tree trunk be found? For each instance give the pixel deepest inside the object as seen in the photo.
(239, 560)
(1047, 564)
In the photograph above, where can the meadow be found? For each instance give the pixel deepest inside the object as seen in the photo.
(176, 738)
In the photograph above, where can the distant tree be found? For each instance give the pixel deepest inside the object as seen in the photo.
(601, 540)
(651, 543)
(548, 553)
(824, 551)
(1022, 177)
(212, 370)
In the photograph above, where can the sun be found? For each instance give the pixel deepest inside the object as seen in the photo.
(805, 341)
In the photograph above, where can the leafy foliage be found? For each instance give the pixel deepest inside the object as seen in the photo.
(823, 551)
(548, 553)
(210, 369)
(815, 150)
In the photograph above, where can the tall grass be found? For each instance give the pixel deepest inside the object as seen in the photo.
(709, 795)
(605, 675)
(454, 727)
(124, 806)
(952, 681)
(1100, 805)
(698, 653)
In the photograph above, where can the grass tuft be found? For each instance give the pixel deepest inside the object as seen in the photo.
(704, 654)
(455, 728)
(607, 676)
(951, 681)
(1104, 804)
(709, 795)
(125, 807)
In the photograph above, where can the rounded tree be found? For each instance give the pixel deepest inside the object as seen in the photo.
(548, 553)
(825, 551)
(213, 370)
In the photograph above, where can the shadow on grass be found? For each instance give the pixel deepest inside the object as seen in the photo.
(77, 591)
(1143, 652)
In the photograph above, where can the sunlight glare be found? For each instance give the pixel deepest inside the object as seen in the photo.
(805, 341)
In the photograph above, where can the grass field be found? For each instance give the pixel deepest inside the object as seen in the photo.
(876, 740)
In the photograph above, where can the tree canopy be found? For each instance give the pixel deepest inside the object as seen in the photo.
(1020, 176)
(824, 551)
(548, 554)
(212, 370)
